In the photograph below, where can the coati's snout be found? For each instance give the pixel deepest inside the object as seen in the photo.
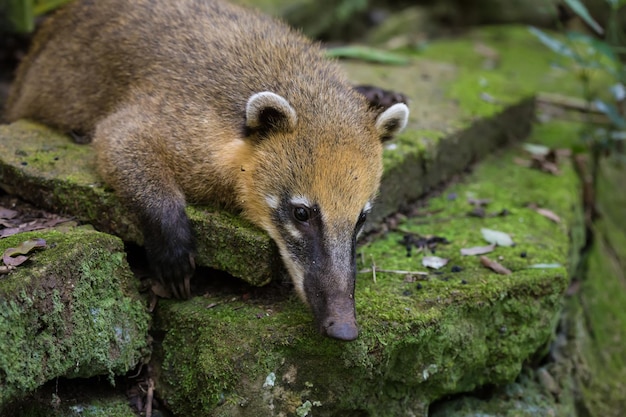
(334, 312)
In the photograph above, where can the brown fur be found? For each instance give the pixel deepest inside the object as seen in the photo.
(161, 86)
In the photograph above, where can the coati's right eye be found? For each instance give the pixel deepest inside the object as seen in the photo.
(301, 214)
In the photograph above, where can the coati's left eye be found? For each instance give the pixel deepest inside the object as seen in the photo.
(301, 214)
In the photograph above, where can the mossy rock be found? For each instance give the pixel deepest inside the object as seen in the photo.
(445, 333)
(73, 310)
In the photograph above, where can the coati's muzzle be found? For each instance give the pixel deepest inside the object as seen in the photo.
(339, 318)
(331, 299)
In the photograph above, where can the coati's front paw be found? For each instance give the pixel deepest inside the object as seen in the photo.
(174, 273)
(170, 249)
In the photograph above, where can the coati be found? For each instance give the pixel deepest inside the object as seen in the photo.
(189, 101)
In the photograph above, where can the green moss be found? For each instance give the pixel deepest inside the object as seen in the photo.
(72, 310)
(521, 66)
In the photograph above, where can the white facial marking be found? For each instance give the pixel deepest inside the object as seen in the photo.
(368, 207)
(295, 233)
(300, 201)
(272, 201)
(295, 271)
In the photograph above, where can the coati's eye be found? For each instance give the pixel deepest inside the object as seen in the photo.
(301, 214)
(361, 220)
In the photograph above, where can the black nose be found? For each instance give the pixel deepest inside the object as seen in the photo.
(342, 330)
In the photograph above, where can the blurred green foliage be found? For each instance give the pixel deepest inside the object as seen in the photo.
(589, 55)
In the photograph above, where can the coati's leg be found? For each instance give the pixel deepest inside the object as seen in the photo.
(130, 160)
(380, 98)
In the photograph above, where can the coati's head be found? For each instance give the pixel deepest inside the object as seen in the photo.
(310, 182)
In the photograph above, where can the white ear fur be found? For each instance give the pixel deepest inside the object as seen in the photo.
(392, 120)
(258, 106)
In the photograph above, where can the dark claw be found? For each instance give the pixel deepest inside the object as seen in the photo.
(176, 274)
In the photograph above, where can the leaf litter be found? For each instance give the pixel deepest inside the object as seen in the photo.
(548, 214)
(434, 262)
(17, 216)
(14, 257)
(428, 243)
(494, 266)
(478, 250)
(543, 158)
(496, 237)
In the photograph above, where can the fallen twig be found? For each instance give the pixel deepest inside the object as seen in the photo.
(391, 271)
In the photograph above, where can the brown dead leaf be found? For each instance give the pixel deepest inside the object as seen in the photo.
(545, 160)
(37, 224)
(7, 214)
(545, 213)
(494, 266)
(9, 258)
(478, 250)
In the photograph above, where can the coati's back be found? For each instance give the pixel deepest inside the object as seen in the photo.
(114, 47)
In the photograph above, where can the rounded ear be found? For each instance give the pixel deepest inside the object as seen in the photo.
(266, 112)
(392, 121)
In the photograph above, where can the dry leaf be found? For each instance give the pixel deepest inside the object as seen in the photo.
(9, 258)
(7, 214)
(546, 213)
(37, 224)
(496, 237)
(434, 262)
(533, 149)
(494, 266)
(477, 250)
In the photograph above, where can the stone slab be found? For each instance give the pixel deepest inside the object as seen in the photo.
(423, 337)
(72, 310)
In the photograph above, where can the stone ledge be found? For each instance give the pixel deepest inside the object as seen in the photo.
(72, 310)
(419, 341)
